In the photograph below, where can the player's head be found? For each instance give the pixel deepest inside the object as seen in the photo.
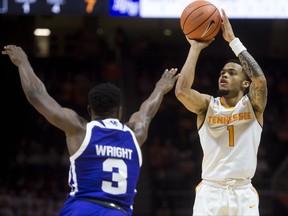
(233, 79)
(105, 101)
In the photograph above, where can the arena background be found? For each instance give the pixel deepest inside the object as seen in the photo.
(84, 50)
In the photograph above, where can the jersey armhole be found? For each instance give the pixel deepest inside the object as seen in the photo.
(211, 98)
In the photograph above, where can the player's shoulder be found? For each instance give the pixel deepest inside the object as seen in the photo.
(207, 99)
(214, 100)
(245, 100)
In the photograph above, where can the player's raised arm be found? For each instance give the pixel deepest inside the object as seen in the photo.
(37, 95)
(139, 121)
(258, 89)
(193, 100)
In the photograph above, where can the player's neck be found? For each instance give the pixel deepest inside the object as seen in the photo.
(229, 102)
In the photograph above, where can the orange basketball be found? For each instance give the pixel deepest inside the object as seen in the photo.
(200, 20)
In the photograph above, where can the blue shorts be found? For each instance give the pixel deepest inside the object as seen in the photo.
(73, 207)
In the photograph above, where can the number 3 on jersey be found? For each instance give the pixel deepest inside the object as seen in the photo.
(230, 129)
(120, 179)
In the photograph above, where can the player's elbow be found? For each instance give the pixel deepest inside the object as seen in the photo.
(180, 94)
(263, 81)
(259, 81)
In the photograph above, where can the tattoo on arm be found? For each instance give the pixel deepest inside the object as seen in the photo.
(258, 89)
(250, 65)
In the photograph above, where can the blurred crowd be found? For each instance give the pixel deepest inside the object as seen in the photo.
(34, 167)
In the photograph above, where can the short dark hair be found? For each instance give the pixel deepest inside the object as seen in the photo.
(104, 98)
(237, 61)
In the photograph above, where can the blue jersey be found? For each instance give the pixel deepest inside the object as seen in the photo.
(107, 165)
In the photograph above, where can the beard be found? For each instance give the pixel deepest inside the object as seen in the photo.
(222, 92)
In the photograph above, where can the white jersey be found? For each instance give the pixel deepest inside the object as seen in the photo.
(230, 138)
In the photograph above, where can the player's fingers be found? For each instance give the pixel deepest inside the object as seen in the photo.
(224, 16)
(6, 50)
(171, 73)
(7, 47)
(176, 77)
(173, 70)
(11, 47)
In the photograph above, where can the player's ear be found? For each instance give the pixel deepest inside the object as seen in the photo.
(245, 84)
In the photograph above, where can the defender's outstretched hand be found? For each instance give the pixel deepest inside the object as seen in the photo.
(16, 54)
(168, 80)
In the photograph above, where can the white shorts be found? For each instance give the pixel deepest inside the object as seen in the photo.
(225, 199)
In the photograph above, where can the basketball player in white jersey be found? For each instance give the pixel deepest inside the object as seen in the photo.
(229, 128)
(105, 155)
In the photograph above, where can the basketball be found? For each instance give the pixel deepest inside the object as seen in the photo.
(200, 20)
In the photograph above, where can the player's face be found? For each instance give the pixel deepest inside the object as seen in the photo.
(230, 79)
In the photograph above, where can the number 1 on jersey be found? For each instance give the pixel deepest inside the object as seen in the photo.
(230, 129)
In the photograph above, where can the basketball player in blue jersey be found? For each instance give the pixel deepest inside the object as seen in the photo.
(105, 155)
(229, 128)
